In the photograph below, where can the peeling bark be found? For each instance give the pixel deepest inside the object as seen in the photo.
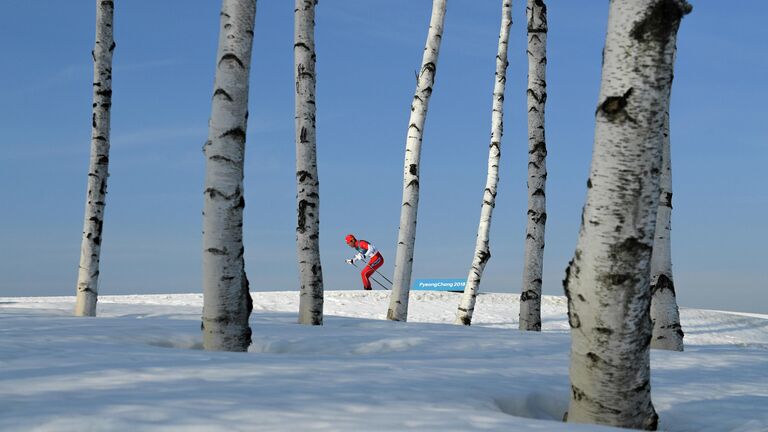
(482, 247)
(406, 238)
(608, 281)
(307, 183)
(98, 170)
(227, 301)
(533, 261)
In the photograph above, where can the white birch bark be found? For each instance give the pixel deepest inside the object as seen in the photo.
(307, 182)
(608, 281)
(98, 169)
(665, 316)
(482, 247)
(530, 297)
(406, 237)
(226, 300)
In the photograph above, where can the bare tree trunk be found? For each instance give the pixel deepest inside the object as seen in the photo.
(667, 332)
(98, 170)
(608, 280)
(406, 238)
(482, 247)
(227, 301)
(307, 182)
(530, 298)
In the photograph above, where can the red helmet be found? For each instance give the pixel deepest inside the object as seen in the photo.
(350, 238)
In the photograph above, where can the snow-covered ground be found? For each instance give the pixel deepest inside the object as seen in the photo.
(139, 366)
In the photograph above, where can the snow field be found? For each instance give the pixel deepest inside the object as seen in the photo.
(139, 366)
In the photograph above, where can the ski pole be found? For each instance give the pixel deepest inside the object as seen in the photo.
(382, 285)
(373, 278)
(385, 278)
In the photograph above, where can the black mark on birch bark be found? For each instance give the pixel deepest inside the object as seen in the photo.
(302, 213)
(529, 295)
(219, 158)
(222, 92)
(302, 176)
(614, 106)
(666, 199)
(484, 256)
(663, 283)
(231, 57)
(238, 134)
(660, 22)
(540, 147)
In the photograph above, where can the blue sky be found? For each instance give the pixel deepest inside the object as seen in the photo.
(367, 54)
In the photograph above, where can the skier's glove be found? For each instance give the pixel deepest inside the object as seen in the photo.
(348, 261)
(359, 257)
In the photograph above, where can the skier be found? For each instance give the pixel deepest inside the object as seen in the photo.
(365, 251)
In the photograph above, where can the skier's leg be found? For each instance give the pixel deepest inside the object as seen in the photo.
(376, 262)
(365, 274)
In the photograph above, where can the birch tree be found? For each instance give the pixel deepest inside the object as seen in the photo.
(482, 246)
(530, 298)
(227, 302)
(98, 169)
(308, 185)
(406, 237)
(667, 333)
(608, 281)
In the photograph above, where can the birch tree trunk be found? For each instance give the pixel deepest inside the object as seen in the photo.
(406, 237)
(667, 332)
(307, 182)
(227, 302)
(482, 247)
(530, 298)
(608, 281)
(98, 169)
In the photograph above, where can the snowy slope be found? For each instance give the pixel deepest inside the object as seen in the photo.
(139, 366)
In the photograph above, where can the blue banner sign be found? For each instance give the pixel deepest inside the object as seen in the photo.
(455, 285)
